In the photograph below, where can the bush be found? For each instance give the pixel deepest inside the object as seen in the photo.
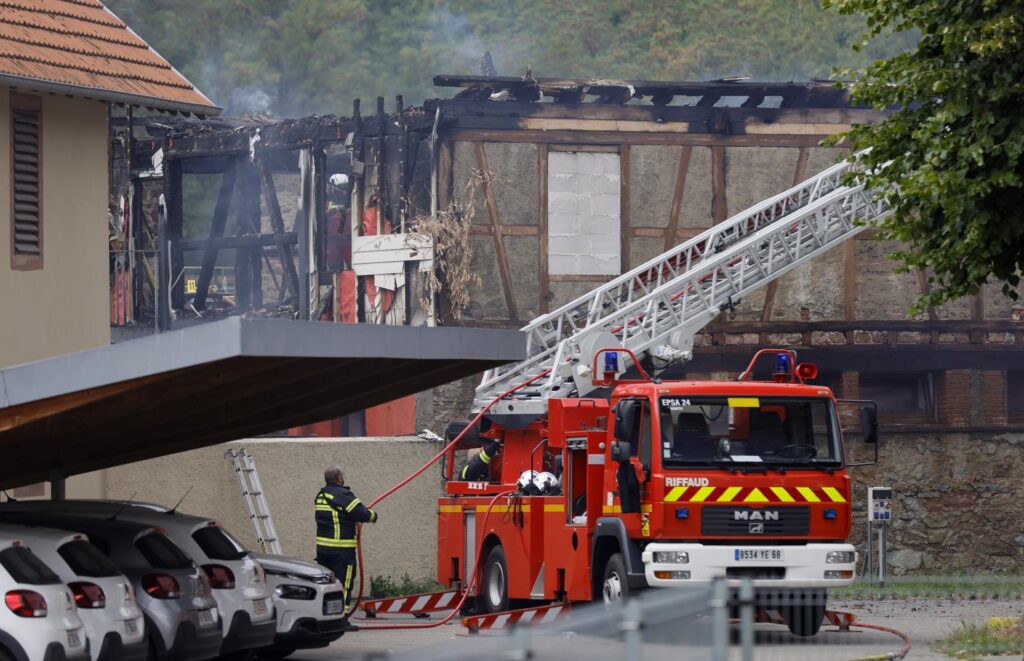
(386, 586)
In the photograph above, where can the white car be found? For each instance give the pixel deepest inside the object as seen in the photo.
(38, 620)
(174, 594)
(239, 586)
(103, 595)
(310, 604)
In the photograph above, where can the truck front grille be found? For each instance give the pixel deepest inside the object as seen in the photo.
(738, 521)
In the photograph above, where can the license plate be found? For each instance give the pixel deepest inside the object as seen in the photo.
(131, 627)
(259, 606)
(73, 639)
(206, 618)
(334, 607)
(759, 555)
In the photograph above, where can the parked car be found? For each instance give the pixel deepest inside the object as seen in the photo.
(240, 588)
(103, 595)
(308, 599)
(310, 605)
(174, 594)
(39, 619)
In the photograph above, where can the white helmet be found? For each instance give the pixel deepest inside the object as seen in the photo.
(545, 481)
(526, 479)
(339, 180)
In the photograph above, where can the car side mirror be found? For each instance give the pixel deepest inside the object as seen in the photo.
(869, 422)
(621, 451)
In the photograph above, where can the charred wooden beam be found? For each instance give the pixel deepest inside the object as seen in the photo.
(220, 217)
(291, 276)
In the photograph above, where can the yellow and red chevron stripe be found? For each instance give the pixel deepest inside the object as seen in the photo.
(711, 494)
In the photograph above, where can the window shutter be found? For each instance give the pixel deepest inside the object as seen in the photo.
(25, 163)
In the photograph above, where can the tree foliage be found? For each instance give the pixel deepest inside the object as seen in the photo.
(952, 145)
(294, 57)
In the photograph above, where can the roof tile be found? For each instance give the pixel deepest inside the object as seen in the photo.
(81, 43)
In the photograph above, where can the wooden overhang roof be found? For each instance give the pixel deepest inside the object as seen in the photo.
(217, 382)
(80, 48)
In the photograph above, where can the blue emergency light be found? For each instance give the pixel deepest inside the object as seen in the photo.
(611, 361)
(682, 513)
(782, 365)
(830, 514)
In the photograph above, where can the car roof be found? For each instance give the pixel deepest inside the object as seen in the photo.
(76, 522)
(150, 513)
(29, 533)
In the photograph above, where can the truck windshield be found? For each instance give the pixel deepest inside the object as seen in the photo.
(748, 430)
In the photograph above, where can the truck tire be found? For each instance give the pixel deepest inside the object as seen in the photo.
(615, 584)
(494, 591)
(805, 619)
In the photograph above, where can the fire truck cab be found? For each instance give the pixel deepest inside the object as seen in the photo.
(661, 484)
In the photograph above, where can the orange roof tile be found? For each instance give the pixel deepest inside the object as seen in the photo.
(79, 47)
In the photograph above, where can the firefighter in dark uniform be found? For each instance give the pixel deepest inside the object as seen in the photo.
(479, 466)
(338, 512)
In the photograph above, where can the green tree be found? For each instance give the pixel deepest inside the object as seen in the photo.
(295, 57)
(952, 147)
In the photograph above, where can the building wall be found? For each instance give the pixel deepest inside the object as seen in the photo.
(62, 307)
(291, 471)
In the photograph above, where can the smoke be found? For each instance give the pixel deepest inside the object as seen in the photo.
(249, 99)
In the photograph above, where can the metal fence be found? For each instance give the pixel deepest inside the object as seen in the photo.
(959, 616)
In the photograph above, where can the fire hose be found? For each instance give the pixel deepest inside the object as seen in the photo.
(471, 576)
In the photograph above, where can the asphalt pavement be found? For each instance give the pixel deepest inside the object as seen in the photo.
(925, 621)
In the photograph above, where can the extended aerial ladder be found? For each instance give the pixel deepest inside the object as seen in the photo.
(656, 309)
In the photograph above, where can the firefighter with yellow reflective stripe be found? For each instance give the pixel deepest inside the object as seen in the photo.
(338, 513)
(479, 466)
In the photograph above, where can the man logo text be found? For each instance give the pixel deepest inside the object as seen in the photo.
(756, 515)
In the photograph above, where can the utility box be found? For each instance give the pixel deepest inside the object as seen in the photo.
(879, 504)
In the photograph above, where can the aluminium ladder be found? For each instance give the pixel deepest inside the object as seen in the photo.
(255, 500)
(664, 302)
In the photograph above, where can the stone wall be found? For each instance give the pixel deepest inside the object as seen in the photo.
(958, 500)
(404, 541)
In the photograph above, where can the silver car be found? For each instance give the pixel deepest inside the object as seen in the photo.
(173, 592)
(103, 595)
(239, 585)
(39, 619)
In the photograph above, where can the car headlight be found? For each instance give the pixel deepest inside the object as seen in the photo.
(288, 591)
(672, 557)
(839, 557)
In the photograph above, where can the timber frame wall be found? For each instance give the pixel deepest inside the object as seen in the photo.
(846, 311)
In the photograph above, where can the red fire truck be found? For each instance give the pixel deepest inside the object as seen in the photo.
(618, 481)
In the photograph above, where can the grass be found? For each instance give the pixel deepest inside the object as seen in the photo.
(386, 586)
(998, 636)
(966, 586)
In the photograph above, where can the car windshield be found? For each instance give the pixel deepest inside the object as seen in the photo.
(25, 567)
(87, 560)
(217, 544)
(748, 430)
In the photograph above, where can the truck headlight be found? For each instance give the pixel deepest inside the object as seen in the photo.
(302, 592)
(672, 557)
(839, 557)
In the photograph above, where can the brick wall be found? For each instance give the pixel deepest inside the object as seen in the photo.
(954, 397)
(993, 397)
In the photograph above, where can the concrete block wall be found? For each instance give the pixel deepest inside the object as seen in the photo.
(291, 470)
(583, 213)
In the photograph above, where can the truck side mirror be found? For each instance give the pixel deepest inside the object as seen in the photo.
(869, 422)
(621, 451)
(627, 415)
